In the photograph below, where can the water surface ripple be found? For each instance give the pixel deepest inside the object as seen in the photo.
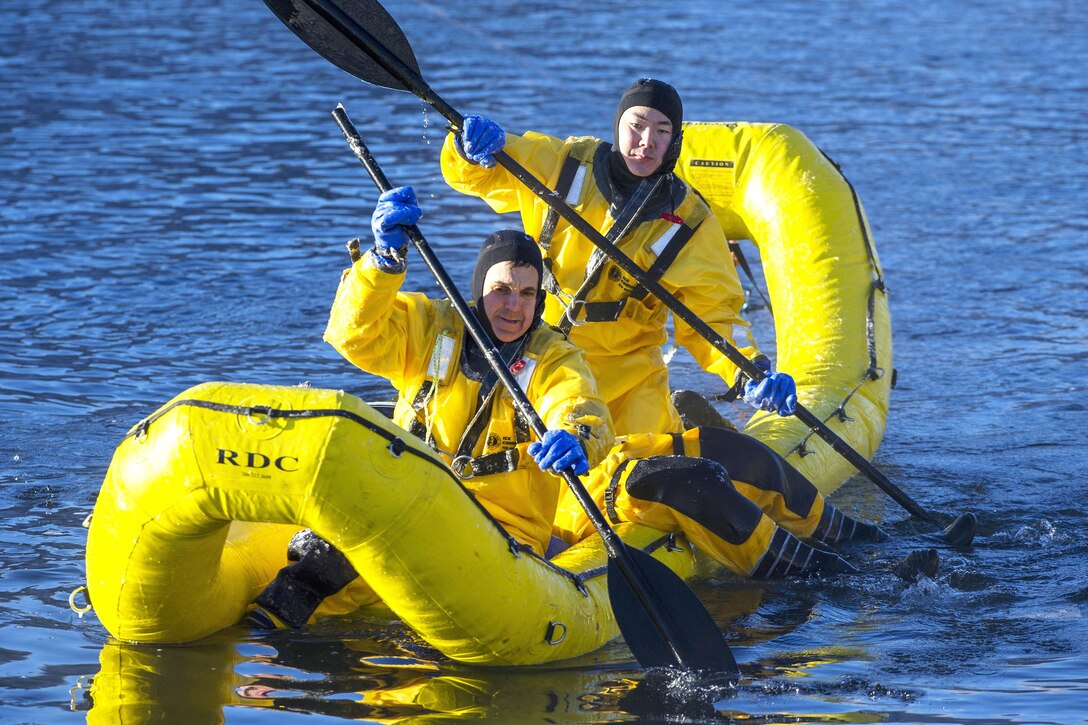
(174, 200)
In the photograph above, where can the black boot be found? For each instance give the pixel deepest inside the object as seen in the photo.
(789, 556)
(697, 412)
(298, 589)
(835, 527)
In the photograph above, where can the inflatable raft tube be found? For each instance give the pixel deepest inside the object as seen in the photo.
(201, 498)
(770, 184)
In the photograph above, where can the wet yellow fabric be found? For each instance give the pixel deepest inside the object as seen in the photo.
(702, 277)
(572, 525)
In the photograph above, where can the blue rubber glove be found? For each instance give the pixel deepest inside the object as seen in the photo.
(558, 451)
(480, 138)
(777, 392)
(396, 209)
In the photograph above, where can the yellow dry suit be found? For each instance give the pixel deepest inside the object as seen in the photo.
(606, 312)
(417, 342)
(731, 495)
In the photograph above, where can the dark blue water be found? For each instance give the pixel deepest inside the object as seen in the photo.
(174, 200)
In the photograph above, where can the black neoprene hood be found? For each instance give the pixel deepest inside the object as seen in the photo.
(652, 94)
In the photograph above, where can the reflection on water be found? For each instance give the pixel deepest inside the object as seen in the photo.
(312, 673)
(377, 670)
(363, 678)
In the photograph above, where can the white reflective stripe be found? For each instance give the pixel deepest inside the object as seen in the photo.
(576, 186)
(659, 246)
(441, 357)
(525, 374)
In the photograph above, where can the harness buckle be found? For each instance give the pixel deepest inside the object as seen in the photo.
(460, 465)
(575, 305)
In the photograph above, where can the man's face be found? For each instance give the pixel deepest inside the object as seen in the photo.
(510, 295)
(643, 136)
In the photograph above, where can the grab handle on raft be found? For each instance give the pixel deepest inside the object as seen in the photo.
(661, 619)
(336, 31)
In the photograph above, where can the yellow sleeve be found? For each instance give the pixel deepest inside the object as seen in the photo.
(541, 155)
(704, 278)
(564, 393)
(376, 327)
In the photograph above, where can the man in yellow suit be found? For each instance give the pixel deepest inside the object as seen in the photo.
(447, 393)
(627, 191)
(449, 397)
(740, 502)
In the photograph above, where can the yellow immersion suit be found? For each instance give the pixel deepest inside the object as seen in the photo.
(752, 524)
(623, 348)
(416, 343)
(619, 325)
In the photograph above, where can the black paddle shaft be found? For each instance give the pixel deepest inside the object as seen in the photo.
(291, 13)
(688, 642)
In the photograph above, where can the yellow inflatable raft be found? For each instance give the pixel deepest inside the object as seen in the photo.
(169, 559)
(770, 184)
(202, 497)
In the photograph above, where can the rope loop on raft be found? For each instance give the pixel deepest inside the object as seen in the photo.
(802, 449)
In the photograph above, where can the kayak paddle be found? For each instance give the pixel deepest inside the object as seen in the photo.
(360, 37)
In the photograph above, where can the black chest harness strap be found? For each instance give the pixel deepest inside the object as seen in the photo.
(464, 464)
(667, 247)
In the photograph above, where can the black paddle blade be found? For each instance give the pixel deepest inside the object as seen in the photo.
(696, 638)
(339, 49)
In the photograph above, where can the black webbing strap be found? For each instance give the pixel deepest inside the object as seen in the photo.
(610, 311)
(667, 257)
(502, 461)
(551, 220)
(738, 254)
(677, 444)
(593, 312)
(610, 492)
(625, 221)
(562, 188)
(593, 277)
(419, 402)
